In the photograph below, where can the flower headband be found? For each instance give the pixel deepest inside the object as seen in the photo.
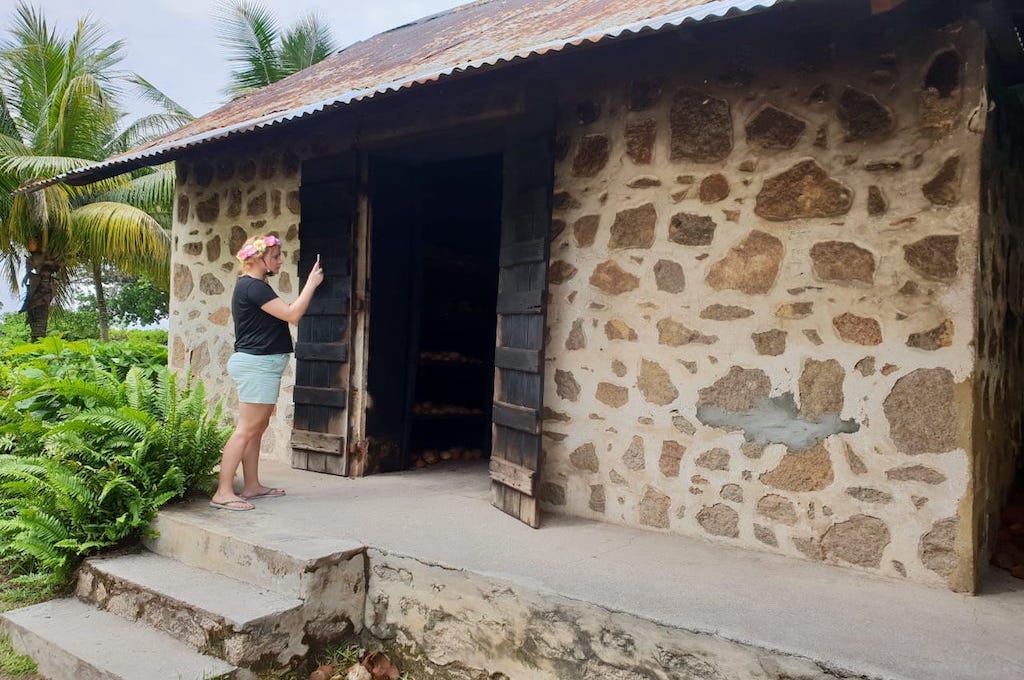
(257, 247)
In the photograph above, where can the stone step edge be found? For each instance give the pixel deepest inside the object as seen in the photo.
(292, 585)
(93, 570)
(55, 661)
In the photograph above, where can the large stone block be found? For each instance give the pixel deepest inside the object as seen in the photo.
(937, 548)
(801, 471)
(671, 456)
(821, 389)
(860, 540)
(675, 334)
(803, 191)
(921, 412)
(771, 128)
(183, 282)
(843, 262)
(860, 330)
(777, 508)
(691, 230)
(566, 386)
(584, 230)
(769, 343)
(634, 458)
(610, 278)
(654, 508)
(634, 227)
(751, 266)
(585, 458)
(669, 276)
(934, 338)
(591, 155)
(944, 187)
(737, 391)
(640, 136)
(615, 396)
(655, 384)
(560, 271)
(719, 520)
(701, 127)
(934, 257)
(714, 188)
(864, 116)
(208, 210)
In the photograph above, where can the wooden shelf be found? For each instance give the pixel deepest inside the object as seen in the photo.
(449, 416)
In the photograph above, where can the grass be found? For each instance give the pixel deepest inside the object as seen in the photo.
(14, 666)
(344, 655)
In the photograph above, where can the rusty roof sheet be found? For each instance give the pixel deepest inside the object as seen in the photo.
(477, 35)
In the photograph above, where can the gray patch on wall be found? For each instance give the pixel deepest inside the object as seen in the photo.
(776, 420)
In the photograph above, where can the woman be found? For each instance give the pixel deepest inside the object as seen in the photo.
(262, 345)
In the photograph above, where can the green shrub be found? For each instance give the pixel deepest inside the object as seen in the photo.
(13, 330)
(102, 456)
(155, 335)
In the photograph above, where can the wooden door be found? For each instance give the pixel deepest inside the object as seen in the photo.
(328, 197)
(522, 304)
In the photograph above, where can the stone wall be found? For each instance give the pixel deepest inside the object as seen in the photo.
(470, 627)
(224, 197)
(227, 192)
(999, 401)
(762, 292)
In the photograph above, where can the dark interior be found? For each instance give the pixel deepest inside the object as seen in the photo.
(433, 286)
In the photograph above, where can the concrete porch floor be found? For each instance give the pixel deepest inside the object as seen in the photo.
(876, 627)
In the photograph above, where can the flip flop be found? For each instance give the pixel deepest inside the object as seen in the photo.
(236, 506)
(269, 493)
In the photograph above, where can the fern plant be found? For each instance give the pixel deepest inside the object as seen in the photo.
(109, 454)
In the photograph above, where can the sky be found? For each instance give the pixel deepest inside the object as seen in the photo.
(172, 43)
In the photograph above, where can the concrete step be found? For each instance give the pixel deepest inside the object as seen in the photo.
(250, 547)
(71, 639)
(234, 620)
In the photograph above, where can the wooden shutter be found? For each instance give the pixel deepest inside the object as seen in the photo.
(328, 198)
(522, 304)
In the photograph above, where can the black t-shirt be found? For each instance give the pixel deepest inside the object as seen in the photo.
(257, 332)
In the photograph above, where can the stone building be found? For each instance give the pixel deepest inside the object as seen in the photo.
(754, 265)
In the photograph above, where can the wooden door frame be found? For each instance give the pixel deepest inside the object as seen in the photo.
(476, 137)
(355, 462)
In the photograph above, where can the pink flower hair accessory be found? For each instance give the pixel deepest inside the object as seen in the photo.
(257, 247)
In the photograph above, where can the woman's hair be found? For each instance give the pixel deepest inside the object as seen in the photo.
(257, 246)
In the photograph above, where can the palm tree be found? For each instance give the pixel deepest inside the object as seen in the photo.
(60, 112)
(260, 52)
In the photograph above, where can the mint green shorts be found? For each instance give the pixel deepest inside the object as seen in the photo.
(257, 376)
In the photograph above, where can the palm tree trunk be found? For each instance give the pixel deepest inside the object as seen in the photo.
(101, 302)
(42, 269)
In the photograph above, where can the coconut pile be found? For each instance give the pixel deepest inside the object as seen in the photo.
(374, 666)
(1009, 549)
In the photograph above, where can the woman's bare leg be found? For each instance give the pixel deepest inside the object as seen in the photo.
(242, 448)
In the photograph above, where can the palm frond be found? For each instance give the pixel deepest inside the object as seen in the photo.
(250, 34)
(152, 94)
(37, 167)
(125, 236)
(152, 191)
(307, 42)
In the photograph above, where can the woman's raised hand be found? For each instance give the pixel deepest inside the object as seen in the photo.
(316, 274)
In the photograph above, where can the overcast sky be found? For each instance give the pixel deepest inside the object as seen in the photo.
(172, 43)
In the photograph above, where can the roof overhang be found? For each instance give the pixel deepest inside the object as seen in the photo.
(167, 151)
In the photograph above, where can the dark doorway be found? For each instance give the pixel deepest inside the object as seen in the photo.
(435, 238)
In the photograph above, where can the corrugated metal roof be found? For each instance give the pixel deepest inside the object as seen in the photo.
(478, 35)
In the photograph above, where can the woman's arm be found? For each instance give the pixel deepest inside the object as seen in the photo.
(292, 313)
